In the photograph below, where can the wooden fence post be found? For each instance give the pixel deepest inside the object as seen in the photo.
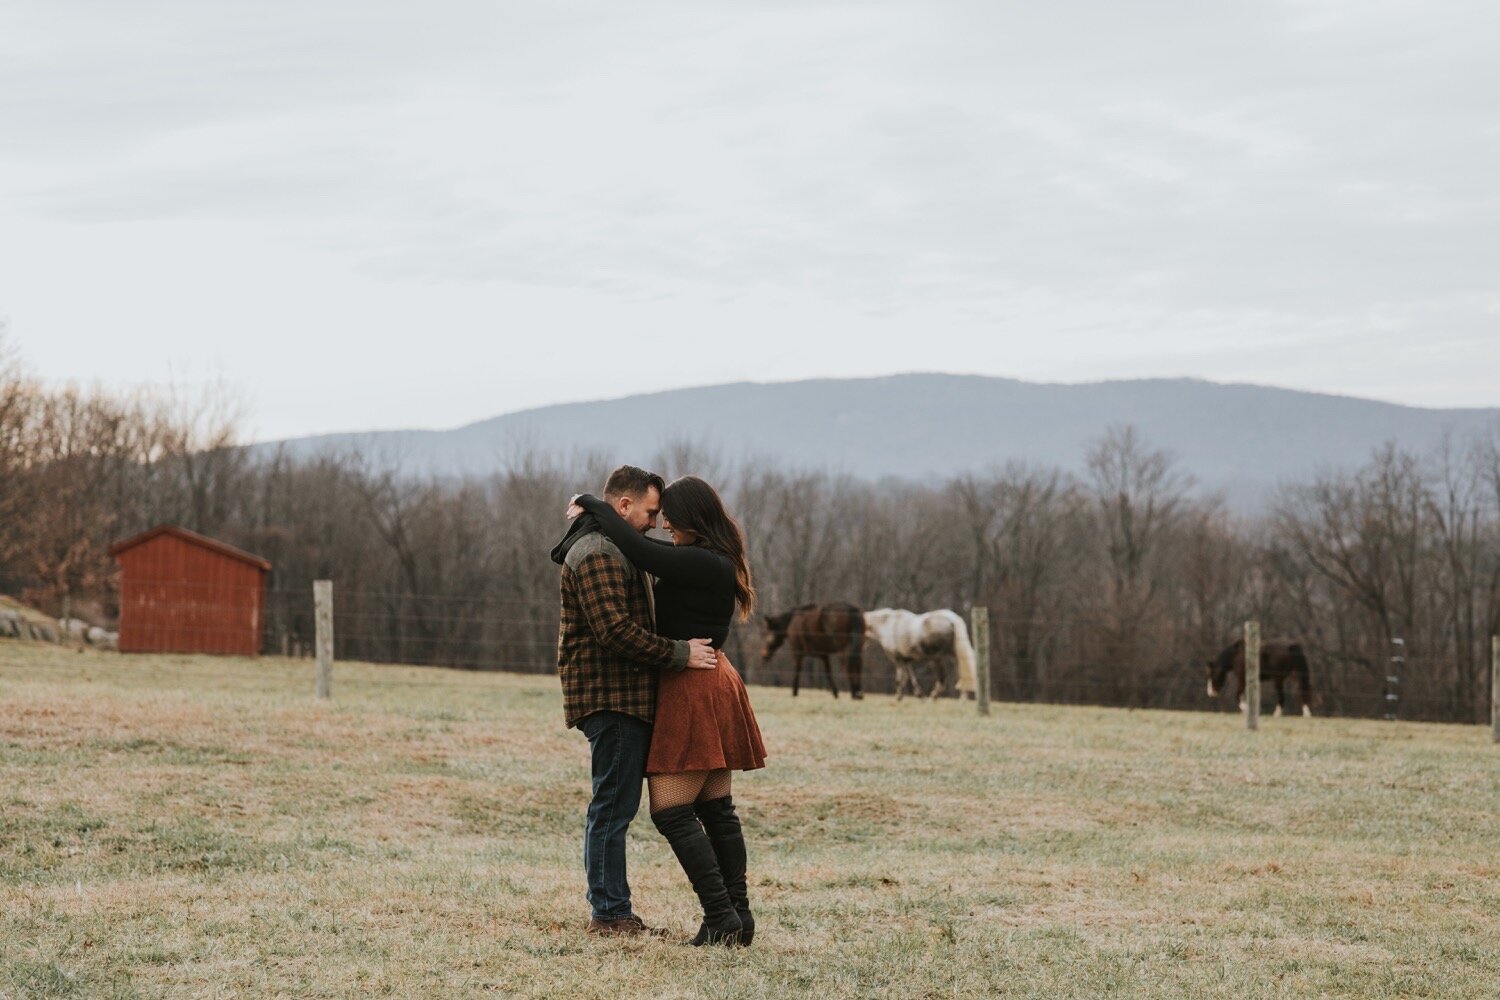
(980, 614)
(323, 614)
(1252, 675)
(1495, 688)
(1393, 679)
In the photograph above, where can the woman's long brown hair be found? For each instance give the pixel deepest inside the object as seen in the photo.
(692, 504)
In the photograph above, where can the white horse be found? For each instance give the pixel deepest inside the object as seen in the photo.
(909, 638)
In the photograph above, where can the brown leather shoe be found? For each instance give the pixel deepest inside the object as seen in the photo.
(630, 926)
(624, 927)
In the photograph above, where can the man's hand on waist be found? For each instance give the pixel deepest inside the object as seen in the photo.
(703, 655)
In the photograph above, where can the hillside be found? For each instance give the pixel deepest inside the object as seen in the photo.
(1230, 437)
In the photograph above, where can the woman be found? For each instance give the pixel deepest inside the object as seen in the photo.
(705, 729)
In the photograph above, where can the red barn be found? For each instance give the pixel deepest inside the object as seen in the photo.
(183, 593)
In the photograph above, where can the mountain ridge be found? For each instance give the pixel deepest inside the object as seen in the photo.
(925, 425)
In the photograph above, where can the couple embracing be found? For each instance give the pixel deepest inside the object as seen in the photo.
(644, 677)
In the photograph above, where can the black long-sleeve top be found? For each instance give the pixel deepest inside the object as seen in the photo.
(695, 585)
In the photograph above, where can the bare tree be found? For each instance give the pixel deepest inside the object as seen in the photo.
(203, 425)
(18, 398)
(1139, 497)
(1460, 526)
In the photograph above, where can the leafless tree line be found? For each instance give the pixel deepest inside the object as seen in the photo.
(1110, 587)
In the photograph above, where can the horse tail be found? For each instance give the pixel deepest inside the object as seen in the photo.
(963, 652)
(857, 633)
(1304, 673)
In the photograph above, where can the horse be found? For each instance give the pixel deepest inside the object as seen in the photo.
(1278, 661)
(909, 638)
(820, 631)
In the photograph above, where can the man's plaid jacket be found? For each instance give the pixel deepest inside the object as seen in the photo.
(607, 655)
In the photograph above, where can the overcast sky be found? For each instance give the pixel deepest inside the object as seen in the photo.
(377, 214)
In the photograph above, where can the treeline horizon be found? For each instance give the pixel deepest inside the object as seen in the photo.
(1111, 587)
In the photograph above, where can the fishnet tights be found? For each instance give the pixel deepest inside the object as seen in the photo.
(671, 790)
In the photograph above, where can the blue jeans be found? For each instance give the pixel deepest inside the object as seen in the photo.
(618, 744)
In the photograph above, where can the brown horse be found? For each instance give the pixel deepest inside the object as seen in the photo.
(820, 631)
(1278, 661)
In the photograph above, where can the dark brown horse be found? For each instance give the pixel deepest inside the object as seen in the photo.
(820, 631)
(1278, 661)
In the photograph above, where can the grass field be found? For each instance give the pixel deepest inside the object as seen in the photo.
(187, 826)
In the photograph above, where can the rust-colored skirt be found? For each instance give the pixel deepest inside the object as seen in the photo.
(704, 722)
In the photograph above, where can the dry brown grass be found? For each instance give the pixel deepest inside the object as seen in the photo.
(189, 826)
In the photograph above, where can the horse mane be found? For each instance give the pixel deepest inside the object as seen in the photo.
(780, 621)
(783, 619)
(1225, 661)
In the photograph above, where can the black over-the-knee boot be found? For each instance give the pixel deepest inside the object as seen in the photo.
(722, 824)
(696, 855)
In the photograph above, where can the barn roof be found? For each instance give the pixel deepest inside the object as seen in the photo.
(212, 544)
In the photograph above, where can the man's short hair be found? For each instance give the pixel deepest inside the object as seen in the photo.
(629, 481)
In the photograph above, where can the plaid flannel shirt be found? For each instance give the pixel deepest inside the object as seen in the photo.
(607, 655)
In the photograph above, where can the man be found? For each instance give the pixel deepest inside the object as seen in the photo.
(608, 659)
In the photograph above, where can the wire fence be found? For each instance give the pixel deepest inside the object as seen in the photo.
(1071, 662)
